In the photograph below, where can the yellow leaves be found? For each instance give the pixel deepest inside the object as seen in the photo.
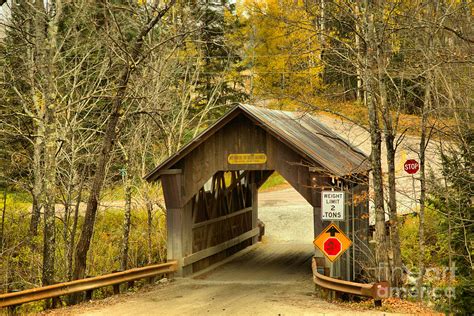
(283, 49)
(38, 102)
(360, 198)
(141, 2)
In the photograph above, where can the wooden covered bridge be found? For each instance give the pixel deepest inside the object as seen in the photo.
(211, 185)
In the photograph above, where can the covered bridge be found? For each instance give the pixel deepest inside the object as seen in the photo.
(211, 185)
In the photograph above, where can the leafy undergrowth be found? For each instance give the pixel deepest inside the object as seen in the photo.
(393, 305)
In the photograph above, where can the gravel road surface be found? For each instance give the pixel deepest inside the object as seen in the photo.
(271, 278)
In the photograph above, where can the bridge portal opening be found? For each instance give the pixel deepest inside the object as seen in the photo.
(284, 213)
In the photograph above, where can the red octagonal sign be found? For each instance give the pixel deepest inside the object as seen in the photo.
(411, 166)
(332, 246)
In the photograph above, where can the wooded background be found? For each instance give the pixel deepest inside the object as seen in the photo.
(96, 93)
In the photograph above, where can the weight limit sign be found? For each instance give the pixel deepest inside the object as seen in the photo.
(332, 205)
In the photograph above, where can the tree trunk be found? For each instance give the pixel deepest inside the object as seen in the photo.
(359, 89)
(424, 139)
(46, 30)
(92, 203)
(37, 117)
(107, 145)
(2, 227)
(38, 149)
(422, 149)
(49, 241)
(448, 217)
(380, 239)
(371, 87)
(149, 210)
(67, 212)
(396, 274)
(74, 226)
(389, 133)
(126, 220)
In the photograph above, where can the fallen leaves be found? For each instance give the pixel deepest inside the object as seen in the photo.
(393, 305)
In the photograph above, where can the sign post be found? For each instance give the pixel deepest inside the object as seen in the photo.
(411, 167)
(332, 205)
(332, 242)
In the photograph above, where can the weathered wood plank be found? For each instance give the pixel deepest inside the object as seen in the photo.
(220, 247)
(172, 189)
(221, 218)
(174, 235)
(254, 194)
(239, 136)
(171, 171)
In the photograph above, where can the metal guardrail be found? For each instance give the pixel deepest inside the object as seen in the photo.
(377, 291)
(66, 288)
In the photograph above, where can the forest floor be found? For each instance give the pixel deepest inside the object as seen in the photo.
(270, 278)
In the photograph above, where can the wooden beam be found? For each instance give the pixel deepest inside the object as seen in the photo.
(262, 177)
(234, 183)
(174, 218)
(254, 194)
(220, 247)
(172, 185)
(221, 218)
(171, 171)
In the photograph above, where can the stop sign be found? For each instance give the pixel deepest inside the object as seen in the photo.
(332, 246)
(411, 166)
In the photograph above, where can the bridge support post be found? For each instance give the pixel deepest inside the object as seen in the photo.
(179, 243)
(172, 184)
(254, 190)
(317, 183)
(187, 236)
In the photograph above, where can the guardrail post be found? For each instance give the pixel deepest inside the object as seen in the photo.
(378, 303)
(12, 310)
(130, 284)
(55, 302)
(89, 295)
(116, 288)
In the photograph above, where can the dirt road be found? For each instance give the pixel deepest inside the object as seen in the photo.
(272, 278)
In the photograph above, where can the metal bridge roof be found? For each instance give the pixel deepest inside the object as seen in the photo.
(300, 131)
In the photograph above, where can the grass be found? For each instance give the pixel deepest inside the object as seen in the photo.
(273, 182)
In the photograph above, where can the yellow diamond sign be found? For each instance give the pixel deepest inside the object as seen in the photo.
(332, 242)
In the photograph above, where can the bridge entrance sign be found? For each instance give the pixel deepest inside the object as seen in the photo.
(332, 242)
